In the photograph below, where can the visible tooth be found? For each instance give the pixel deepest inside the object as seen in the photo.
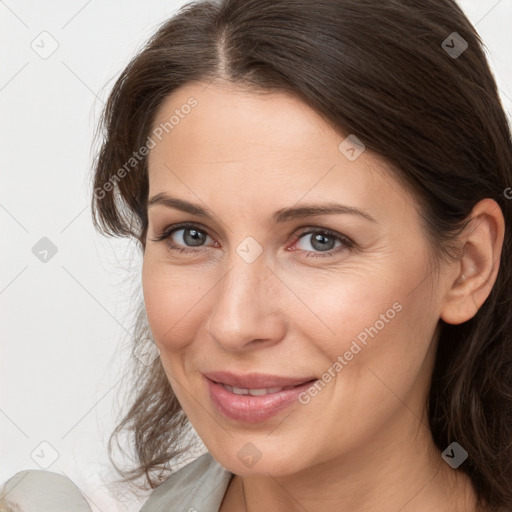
(240, 391)
(255, 392)
(258, 392)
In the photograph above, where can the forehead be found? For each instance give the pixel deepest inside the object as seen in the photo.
(239, 123)
(260, 148)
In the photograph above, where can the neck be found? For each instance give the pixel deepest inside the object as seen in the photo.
(393, 472)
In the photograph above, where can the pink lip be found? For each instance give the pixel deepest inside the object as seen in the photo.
(253, 409)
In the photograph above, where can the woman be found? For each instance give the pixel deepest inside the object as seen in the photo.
(319, 190)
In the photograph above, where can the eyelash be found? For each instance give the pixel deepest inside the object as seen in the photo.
(169, 230)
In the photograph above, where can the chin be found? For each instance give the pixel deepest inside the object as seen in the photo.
(260, 457)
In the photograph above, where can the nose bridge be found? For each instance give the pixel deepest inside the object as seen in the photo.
(243, 309)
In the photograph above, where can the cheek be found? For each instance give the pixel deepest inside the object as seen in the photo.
(372, 317)
(172, 298)
(343, 304)
(384, 353)
(376, 361)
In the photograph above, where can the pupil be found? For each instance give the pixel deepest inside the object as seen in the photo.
(195, 237)
(323, 245)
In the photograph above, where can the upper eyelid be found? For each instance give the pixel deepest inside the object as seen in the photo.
(171, 229)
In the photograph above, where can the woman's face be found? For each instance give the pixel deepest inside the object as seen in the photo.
(262, 291)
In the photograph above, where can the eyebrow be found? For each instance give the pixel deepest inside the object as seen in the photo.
(283, 215)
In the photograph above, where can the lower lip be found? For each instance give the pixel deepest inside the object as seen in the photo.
(253, 409)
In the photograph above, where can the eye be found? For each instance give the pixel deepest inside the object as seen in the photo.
(323, 242)
(190, 238)
(183, 237)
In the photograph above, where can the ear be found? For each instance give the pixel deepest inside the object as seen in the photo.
(475, 272)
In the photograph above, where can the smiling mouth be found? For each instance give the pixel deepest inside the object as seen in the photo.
(253, 398)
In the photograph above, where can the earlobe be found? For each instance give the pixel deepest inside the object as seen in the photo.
(477, 269)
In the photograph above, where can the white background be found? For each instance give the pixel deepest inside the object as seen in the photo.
(65, 323)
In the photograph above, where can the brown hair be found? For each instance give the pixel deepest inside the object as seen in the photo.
(379, 70)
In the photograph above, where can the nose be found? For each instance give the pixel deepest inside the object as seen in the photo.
(247, 310)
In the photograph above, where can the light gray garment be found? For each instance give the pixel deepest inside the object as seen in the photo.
(41, 491)
(199, 486)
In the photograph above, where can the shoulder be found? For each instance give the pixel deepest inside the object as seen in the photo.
(41, 491)
(199, 485)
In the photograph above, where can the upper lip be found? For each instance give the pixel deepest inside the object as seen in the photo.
(255, 380)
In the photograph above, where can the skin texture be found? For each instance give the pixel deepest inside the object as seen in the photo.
(363, 443)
